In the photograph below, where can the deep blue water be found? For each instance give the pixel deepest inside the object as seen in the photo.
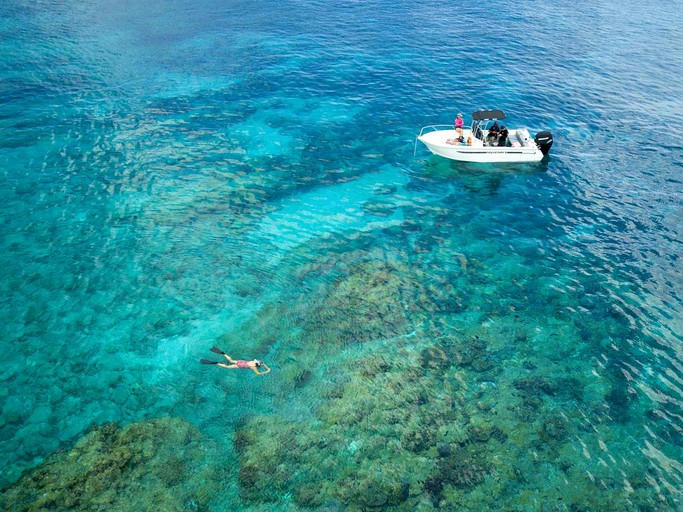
(177, 175)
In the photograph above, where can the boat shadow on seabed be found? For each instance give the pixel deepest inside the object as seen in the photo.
(441, 167)
(479, 178)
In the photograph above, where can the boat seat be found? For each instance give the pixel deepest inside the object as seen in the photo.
(519, 139)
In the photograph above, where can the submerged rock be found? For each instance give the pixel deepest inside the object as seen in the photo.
(385, 189)
(379, 208)
(480, 432)
(374, 491)
(459, 469)
(555, 428)
(15, 410)
(534, 386)
(443, 449)
(618, 400)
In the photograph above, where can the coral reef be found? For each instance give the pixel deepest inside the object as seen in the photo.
(418, 398)
(363, 448)
(411, 371)
(368, 304)
(148, 466)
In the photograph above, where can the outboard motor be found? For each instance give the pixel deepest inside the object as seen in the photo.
(544, 141)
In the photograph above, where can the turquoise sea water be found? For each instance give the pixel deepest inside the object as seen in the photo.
(178, 175)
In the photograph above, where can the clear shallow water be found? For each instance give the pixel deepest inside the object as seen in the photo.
(182, 175)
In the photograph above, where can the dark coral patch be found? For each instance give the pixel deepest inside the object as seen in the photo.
(119, 468)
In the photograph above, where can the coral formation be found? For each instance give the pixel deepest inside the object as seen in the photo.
(368, 304)
(419, 398)
(148, 466)
(379, 208)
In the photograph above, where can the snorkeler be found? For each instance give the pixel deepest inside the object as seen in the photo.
(254, 364)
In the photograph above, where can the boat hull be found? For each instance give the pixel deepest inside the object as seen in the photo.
(438, 143)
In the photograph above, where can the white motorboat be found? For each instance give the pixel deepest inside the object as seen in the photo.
(479, 143)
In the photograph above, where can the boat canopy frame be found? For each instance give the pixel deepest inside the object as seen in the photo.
(481, 120)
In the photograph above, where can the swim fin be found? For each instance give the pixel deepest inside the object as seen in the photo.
(217, 350)
(206, 361)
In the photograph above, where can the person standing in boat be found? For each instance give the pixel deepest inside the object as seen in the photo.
(458, 127)
(503, 136)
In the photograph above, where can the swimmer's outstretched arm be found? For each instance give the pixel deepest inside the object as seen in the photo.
(261, 373)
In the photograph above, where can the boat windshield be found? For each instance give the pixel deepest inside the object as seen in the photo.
(478, 127)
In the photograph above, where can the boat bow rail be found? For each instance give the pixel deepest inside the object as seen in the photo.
(435, 128)
(430, 128)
